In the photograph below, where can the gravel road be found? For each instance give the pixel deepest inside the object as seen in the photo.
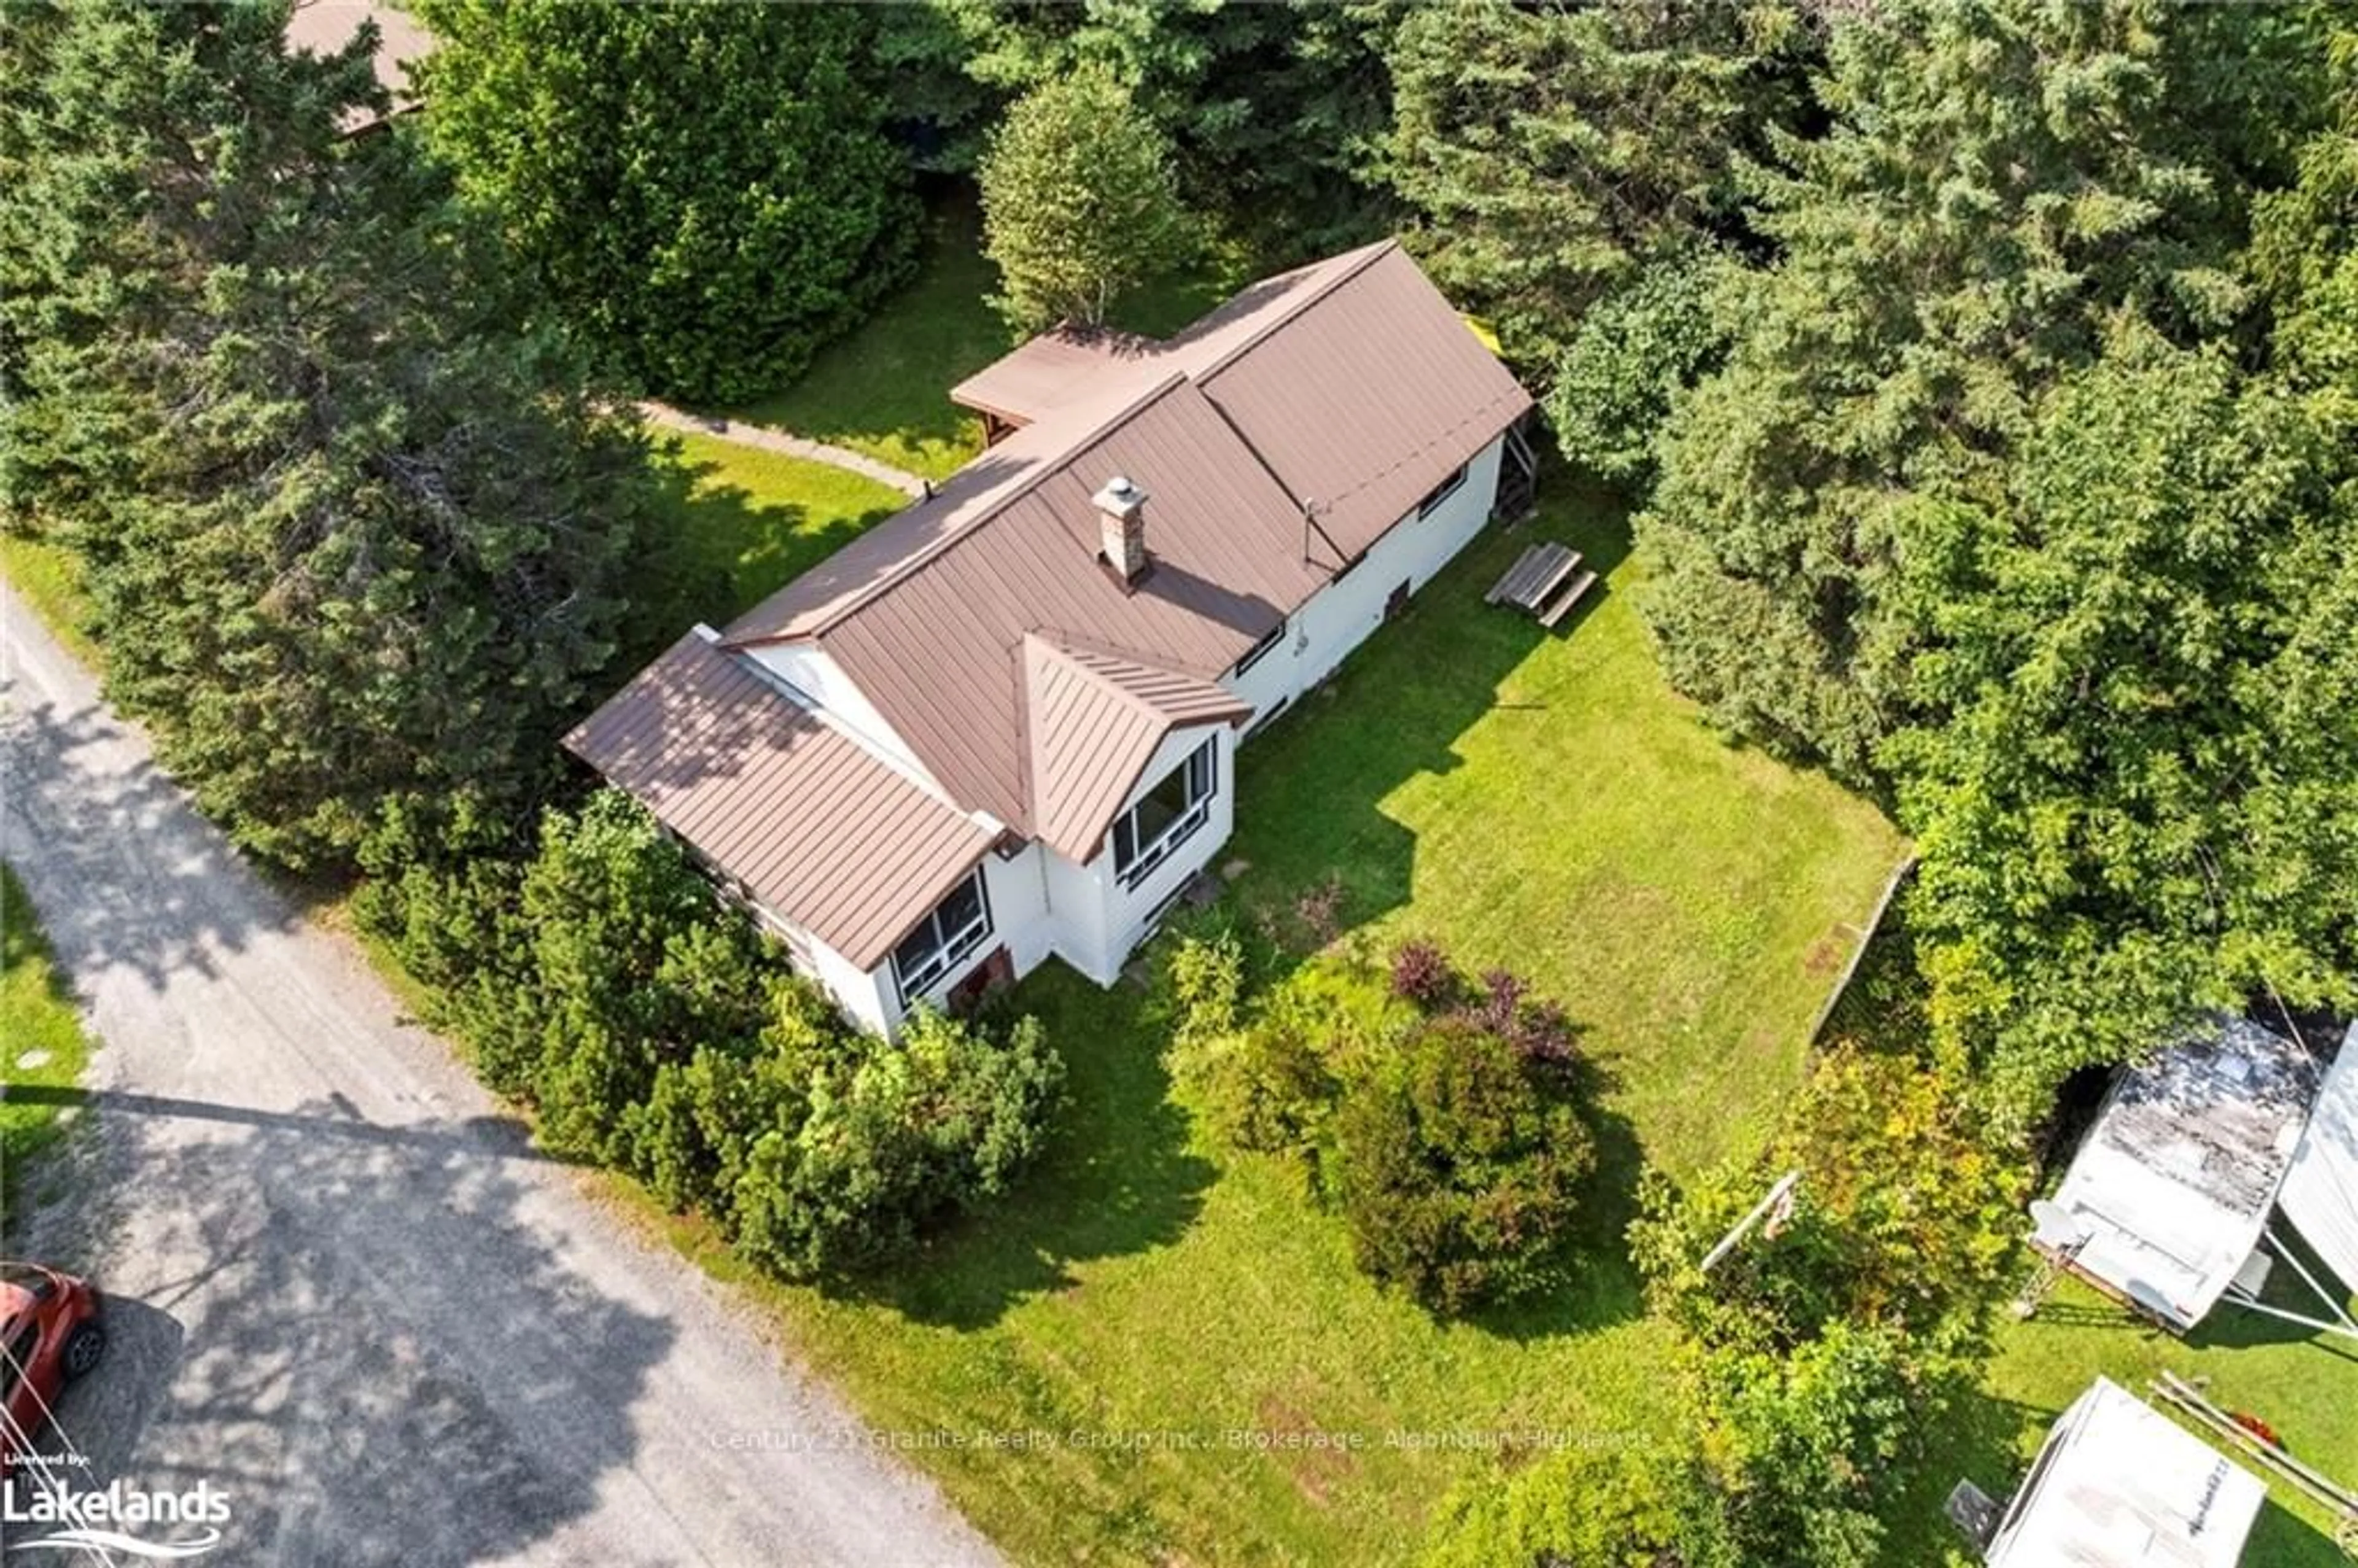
(346, 1291)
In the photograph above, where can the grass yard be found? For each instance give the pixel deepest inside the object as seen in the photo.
(1154, 1351)
(745, 522)
(41, 1039)
(884, 390)
(49, 578)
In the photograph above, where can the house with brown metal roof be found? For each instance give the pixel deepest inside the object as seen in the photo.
(1001, 726)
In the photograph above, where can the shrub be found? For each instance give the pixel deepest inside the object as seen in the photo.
(1265, 1085)
(1458, 1165)
(1908, 1216)
(893, 1135)
(1809, 1445)
(1422, 974)
(1202, 989)
(1534, 1028)
(656, 1029)
(1586, 1508)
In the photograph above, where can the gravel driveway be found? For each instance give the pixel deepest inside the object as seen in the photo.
(346, 1291)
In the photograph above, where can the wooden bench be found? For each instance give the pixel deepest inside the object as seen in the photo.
(1545, 582)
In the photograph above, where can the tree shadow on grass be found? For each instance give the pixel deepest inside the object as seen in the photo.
(1117, 1178)
(1977, 1437)
(721, 550)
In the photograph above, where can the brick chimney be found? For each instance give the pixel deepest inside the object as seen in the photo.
(1122, 530)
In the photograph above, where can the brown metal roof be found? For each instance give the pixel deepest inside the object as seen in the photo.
(822, 831)
(938, 650)
(1367, 394)
(1047, 371)
(1096, 717)
(323, 26)
(1029, 682)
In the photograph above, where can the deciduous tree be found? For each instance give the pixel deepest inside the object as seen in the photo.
(1078, 201)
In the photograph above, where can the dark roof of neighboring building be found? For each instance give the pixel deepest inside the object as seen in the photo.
(813, 822)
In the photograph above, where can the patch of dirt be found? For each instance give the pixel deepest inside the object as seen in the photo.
(1316, 1459)
(1825, 956)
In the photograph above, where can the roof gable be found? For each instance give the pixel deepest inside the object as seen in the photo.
(1095, 719)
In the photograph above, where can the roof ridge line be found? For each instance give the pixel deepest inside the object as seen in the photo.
(1373, 253)
(1079, 642)
(909, 565)
(1113, 687)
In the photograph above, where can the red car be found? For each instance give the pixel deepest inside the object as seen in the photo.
(49, 1334)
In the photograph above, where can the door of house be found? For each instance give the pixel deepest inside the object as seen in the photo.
(1398, 601)
(994, 973)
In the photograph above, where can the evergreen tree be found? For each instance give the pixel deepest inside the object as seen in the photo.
(1552, 152)
(2000, 180)
(705, 191)
(353, 540)
(1272, 109)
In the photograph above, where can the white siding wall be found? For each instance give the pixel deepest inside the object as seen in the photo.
(1096, 919)
(815, 673)
(865, 996)
(1338, 618)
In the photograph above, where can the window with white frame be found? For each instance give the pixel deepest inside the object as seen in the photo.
(1442, 491)
(1166, 816)
(958, 926)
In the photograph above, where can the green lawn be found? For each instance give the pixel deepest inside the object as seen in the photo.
(744, 521)
(41, 1039)
(884, 390)
(49, 578)
(1540, 800)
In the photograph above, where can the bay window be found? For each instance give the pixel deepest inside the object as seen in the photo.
(1166, 816)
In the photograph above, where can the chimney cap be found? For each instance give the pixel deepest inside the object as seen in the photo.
(1120, 495)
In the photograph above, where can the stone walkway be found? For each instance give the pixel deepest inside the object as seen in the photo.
(793, 445)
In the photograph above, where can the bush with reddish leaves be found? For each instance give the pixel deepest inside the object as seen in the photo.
(1422, 974)
(1500, 1005)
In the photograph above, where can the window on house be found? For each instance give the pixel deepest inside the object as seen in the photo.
(1442, 491)
(1260, 649)
(1166, 814)
(958, 925)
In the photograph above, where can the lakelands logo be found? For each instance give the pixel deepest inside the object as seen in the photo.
(120, 1518)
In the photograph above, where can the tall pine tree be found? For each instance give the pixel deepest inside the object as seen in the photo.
(352, 539)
